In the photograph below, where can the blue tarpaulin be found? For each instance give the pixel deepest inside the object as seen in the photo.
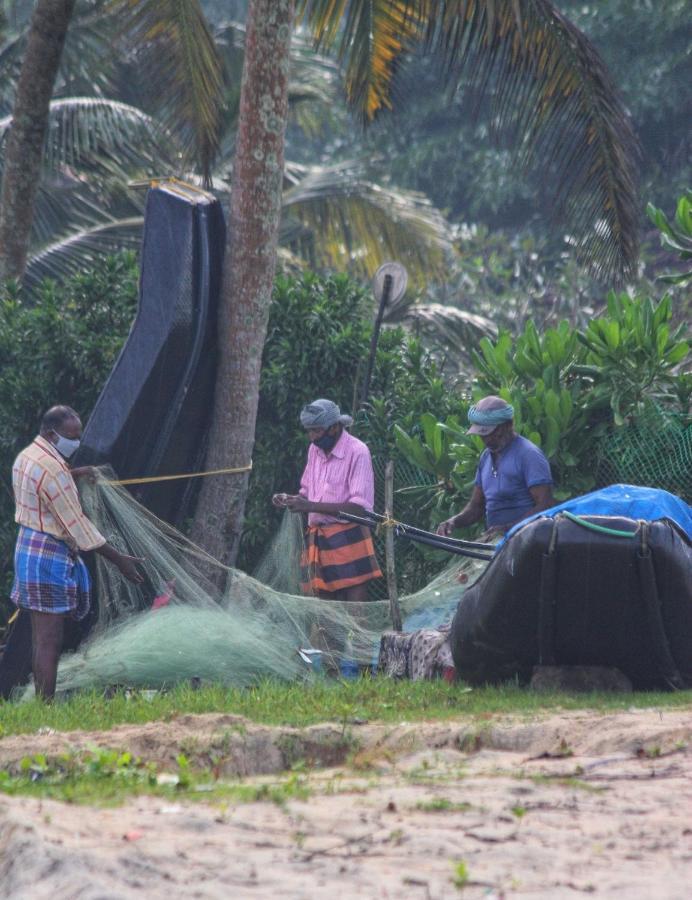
(628, 500)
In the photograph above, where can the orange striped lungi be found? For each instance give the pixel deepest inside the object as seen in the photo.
(337, 557)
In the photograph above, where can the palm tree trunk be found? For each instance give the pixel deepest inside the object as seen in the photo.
(22, 169)
(248, 271)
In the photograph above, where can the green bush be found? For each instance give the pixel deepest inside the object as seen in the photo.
(569, 389)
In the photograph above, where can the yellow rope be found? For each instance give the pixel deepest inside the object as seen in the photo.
(186, 475)
(387, 522)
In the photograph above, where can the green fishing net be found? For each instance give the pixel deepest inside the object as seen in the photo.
(180, 625)
(654, 449)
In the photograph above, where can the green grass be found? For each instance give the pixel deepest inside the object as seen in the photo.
(109, 777)
(280, 703)
(442, 804)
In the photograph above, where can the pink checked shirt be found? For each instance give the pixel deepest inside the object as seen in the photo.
(343, 476)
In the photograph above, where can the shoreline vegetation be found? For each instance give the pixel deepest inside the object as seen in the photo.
(303, 704)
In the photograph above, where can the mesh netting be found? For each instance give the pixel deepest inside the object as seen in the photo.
(179, 624)
(655, 450)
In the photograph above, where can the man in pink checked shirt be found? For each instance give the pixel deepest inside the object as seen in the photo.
(339, 559)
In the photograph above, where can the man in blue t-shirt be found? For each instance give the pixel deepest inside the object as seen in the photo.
(513, 479)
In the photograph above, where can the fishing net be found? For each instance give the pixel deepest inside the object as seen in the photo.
(655, 450)
(180, 625)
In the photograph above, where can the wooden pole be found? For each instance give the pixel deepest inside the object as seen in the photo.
(394, 609)
(384, 300)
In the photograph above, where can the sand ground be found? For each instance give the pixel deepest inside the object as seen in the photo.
(562, 805)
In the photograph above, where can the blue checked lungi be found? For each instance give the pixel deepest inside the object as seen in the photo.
(49, 576)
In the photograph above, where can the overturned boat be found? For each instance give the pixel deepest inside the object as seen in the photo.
(602, 580)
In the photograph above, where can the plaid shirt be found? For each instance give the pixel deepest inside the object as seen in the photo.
(46, 497)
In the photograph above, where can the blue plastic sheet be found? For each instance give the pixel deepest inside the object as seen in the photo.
(628, 500)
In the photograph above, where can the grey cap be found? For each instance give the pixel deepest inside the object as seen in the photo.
(323, 414)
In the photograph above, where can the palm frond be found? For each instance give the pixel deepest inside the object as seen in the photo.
(87, 63)
(550, 89)
(334, 218)
(78, 250)
(553, 91)
(370, 37)
(183, 69)
(84, 129)
(452, 330)
(11, 55)
(66, 202)
(313, 88)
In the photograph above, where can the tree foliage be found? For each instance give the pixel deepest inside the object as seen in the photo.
(542, 79)
(569, 389)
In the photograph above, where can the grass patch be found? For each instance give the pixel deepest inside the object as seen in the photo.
(301, 704)
(442, 804)
(109, 777)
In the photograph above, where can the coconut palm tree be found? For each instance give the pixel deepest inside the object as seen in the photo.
(549, 87)
(107, 139)
(22, 162)
(96, 148)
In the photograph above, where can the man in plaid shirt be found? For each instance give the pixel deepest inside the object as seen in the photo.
(51, 581)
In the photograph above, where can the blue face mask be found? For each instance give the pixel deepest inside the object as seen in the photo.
(66, 447)
(326, 442)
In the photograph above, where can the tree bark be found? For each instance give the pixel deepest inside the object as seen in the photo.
(22, 168)
(249, 267)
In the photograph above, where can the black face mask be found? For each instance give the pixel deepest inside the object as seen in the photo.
(326, 442)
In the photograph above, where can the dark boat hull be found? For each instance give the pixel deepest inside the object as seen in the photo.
(153, 413)
(559, 593)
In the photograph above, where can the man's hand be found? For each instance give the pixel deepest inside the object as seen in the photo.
(128, 567)
(296, 503)
(88, 472)
(447, 527)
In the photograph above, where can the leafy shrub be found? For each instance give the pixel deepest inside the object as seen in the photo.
(569, 388)
(676, 236)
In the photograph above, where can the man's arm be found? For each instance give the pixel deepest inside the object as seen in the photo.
(126, 564)
(296, 503)
(473, 512)
(88, 472)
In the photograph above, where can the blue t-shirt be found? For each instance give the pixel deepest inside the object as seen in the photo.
(519, 466)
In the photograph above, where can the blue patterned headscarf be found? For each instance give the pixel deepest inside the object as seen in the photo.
(488, 413)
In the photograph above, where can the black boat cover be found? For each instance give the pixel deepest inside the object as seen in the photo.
(153, 413)
(561, 592)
